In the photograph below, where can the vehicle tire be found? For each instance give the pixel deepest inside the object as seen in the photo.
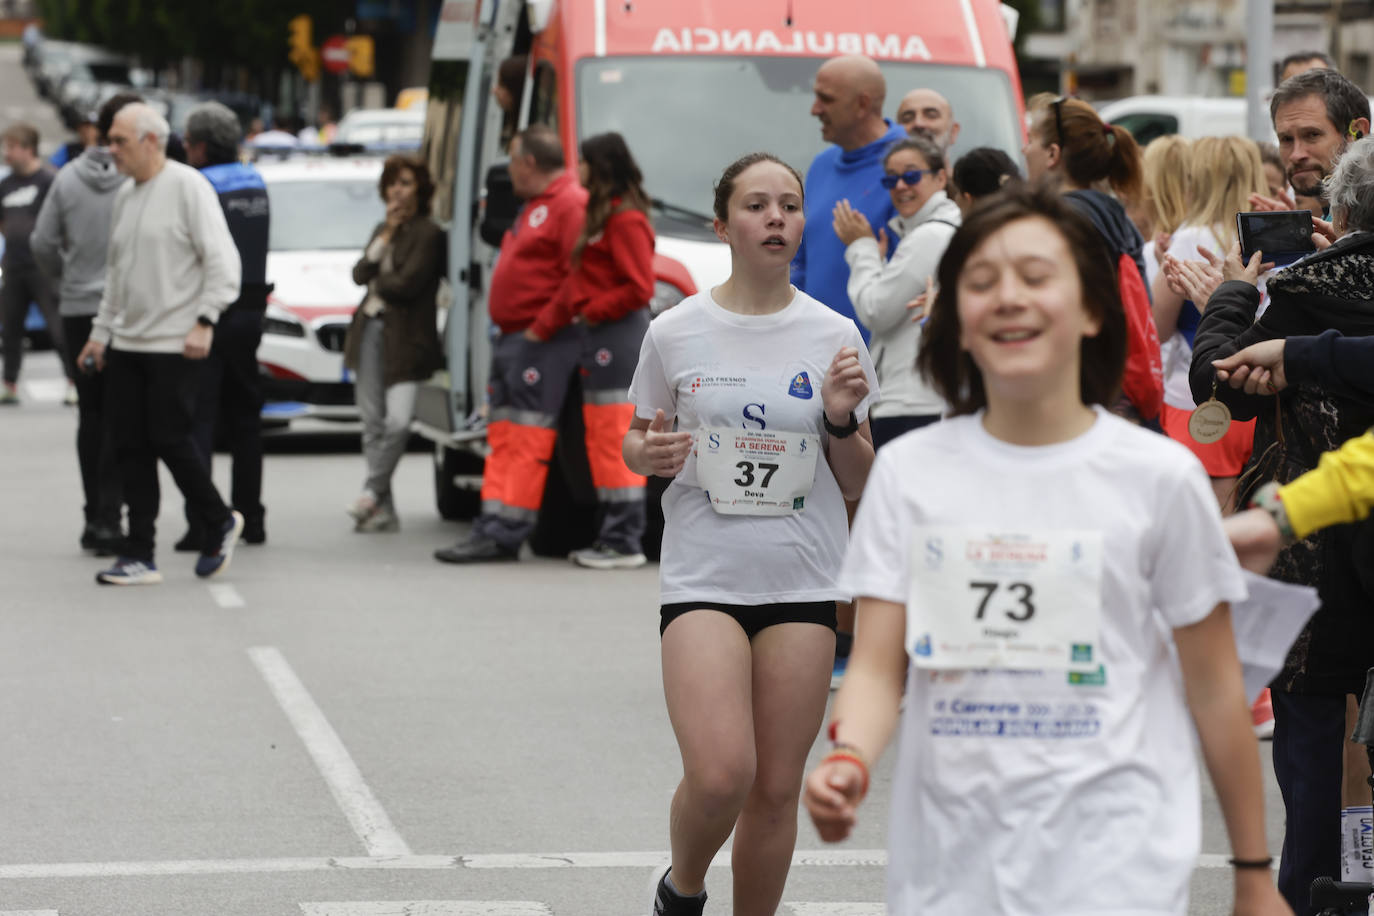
(455, 503)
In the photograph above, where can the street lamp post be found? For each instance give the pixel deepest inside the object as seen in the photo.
(1259, 67)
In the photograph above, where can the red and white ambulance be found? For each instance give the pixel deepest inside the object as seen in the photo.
(691, 85)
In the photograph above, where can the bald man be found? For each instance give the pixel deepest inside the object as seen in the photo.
(928, 109)
(848, 101)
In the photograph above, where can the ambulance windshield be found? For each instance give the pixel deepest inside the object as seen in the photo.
(687, 117)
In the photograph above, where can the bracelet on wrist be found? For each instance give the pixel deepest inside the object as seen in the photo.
(1266, 863)
(853, 758)
(1267, 498)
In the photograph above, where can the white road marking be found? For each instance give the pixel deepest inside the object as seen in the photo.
(226, 596)
(836, 909)
(803, 858)
(366, 815)
(28, 913)
(428, 908)
(45, 390)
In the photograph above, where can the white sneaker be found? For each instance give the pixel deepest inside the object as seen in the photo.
(601, 556)
(70, 398)
(362, 507)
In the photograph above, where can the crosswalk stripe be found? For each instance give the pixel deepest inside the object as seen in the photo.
(28, 913)
(836, 909)
(428, 908)
(802, 858)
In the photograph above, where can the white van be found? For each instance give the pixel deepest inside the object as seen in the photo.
(1151, 116)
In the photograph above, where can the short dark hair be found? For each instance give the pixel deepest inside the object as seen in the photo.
(510, 76)
(1345, 102)
(919, 141)
(950, 369)
(726, 186)
(1302, 57)
(22, 134)
(984, 171)
(105, 120)
(540, 142)
(424, 183)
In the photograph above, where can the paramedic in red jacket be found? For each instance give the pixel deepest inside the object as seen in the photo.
(528, 380)
(607, 295)
(592, 322)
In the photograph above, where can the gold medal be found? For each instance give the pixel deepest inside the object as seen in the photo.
(1209, 420)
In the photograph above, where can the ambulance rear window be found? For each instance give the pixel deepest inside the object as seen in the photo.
(685, 117)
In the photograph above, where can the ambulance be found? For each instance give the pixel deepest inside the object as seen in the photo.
(691, 85)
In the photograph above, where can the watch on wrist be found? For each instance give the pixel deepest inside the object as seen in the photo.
(1267, 498)
(841, 432)
(204, 322)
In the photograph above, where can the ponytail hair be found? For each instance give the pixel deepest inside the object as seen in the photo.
(1090, 149)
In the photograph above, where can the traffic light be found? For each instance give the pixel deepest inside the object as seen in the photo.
(360, 56)
(301, 47)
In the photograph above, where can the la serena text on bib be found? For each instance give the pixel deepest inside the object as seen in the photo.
(1005, 599)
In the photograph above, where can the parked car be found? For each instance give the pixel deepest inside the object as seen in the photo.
(323, 212)
(383, 127)
(93, 74)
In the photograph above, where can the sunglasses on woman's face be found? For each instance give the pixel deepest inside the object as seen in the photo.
(911, 178)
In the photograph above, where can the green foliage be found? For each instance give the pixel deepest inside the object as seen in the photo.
(244, 33)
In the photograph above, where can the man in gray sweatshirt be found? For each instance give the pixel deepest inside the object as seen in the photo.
(172, 269)
(70, 243)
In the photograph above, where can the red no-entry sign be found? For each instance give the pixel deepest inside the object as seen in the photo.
(334, 54)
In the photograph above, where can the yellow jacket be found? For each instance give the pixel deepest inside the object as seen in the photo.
(1339, 490)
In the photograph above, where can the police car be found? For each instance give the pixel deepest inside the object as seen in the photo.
(323, 212)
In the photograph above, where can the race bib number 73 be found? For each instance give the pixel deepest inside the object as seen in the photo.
(990, 599)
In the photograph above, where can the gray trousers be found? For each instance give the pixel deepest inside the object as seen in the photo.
(386, 412)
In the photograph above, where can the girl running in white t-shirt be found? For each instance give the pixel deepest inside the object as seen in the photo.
(1050, 585)
(770, 390)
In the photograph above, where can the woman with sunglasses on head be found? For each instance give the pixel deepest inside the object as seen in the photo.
(1052, 654)
(770, 391)
(1068, 144)
(914, 174)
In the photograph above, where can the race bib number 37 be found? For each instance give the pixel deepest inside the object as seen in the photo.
(756, 472)
(1024, 600)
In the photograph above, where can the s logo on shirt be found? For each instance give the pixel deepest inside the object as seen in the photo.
(750, 417)
(538, 215)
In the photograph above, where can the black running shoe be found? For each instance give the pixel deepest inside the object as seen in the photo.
(668, 902)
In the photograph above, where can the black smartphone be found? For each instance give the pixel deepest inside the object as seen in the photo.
(1282, 235)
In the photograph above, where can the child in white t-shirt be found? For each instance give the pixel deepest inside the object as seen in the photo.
(770, 390)
(1049, 585)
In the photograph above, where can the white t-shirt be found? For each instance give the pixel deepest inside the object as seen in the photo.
(1038, 792)
(708, 366)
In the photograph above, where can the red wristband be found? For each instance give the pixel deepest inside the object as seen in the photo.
(854, 759)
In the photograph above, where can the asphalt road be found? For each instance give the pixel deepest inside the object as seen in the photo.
(341, 726)
(341, 720)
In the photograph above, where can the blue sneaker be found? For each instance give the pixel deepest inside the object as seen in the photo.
(128, 571)
(837, 672)
(209, 565)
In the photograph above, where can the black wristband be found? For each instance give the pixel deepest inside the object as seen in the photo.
(1266, 863)
(841, 432)
(204, 322)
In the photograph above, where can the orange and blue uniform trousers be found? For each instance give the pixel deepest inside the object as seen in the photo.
(529, 382)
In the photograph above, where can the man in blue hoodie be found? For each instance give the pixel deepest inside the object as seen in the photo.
(849, 94)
